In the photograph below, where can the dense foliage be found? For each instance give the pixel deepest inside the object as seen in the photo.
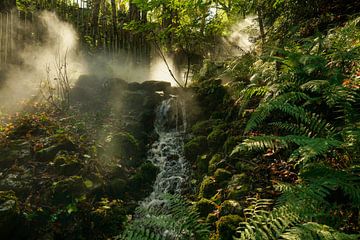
(274, 140)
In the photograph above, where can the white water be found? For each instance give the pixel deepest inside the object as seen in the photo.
(167, 152)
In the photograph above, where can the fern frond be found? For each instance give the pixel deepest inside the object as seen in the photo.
(172, 219)
(312, 121)
(315, 231)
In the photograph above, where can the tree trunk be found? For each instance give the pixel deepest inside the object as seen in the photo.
(95, 20)
(261, 24)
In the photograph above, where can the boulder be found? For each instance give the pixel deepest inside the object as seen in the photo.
(156, 86)
(204, 207)
(9, 214)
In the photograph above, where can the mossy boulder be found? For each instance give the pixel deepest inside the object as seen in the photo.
(230, 207)
(204, 128)
(203, 163)
(208, 187)
(243, 166)
(211, 219)
(216, 139)
(238, 186)
(9, 214)
(216, 162)
(195, 147)
(222, 176)
(124, 146)
(144, 178)
(67, 164)
(230, 143)
(62, 143)
(67, 190)
(226, 226)
(107, 217)
(204, 207)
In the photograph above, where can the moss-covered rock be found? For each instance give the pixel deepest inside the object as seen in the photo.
(208, 187)
(243, 167)
(238, 186)
(216, 162)
(204, 207)
(67, 164)
(67, 190)
(195, 147)
(62, 143)
(124, 146)
(211, 219)
(144, 178)
(203, 163)
(204, 128)
(230, 207)
(222, 176)
(107, 217)
(226, 227)
(230, 143)
(216, 139)
(9, 214)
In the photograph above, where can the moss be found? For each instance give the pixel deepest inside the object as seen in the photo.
(195, 147)
(238, 186)
(203, 163)
(125, 146)
(144, 177)
(216, 162)
(243, 167)
(230, 143)
(205, 127)
(230, 207)
(107, 217)
(67, 164)
(67, 190)
(208, 187)
(204, 207)
(211, 219)
(226, 226)
(221, 175)
(216, 139)
(9, 215)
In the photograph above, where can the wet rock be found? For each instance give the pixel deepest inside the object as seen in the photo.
(205, 206)
(195, 147)
(222, 176)
(9, 214)
(66, 164)
(230, 207)
(216, 162)
(226, 226)
(208, 188)
(67, 190)
(156, 86)
(124, 146)
(49, 153)
(17, 150)
(20, 182)
(238, 186)
(216, 139)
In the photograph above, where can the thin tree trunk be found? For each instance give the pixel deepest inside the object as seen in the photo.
(261, 24)
(95, 20)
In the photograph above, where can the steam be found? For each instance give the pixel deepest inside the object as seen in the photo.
(242, 37)
(49, 41)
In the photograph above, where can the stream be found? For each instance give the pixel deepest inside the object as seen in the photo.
(167, 152)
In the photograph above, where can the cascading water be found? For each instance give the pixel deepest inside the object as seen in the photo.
(167, 152)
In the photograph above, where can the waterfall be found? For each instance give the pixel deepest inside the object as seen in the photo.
(167, 152)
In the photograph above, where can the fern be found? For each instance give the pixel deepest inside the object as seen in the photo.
(173, 219)
(309, 148)
(312, 121)
(315, 231)
(299, 205)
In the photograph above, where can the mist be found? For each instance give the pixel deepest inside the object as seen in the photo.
(47, 45)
